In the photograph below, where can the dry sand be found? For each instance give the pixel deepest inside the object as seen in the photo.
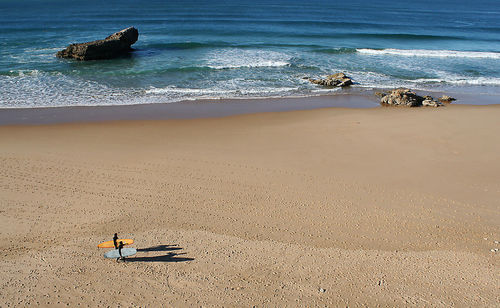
(324, 207)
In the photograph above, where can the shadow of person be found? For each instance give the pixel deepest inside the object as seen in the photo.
(160, 248)
(169, 257)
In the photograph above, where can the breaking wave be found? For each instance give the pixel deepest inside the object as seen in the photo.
(242, 58)
(431, 53)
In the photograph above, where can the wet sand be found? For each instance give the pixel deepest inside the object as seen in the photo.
(382, 206)
(196, 109)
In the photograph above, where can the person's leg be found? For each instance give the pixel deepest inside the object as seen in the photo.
(120, 250)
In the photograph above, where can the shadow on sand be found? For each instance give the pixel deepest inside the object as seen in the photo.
(160, 248)
(169, 257)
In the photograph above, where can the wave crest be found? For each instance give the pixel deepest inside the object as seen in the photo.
(431, 53)
(243, 58)
(477, 81)
(337, 51)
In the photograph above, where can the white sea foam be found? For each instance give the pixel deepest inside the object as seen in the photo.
(378, 80)
(32, 88)
(474, 81)
(169, 90)
(218, 92)
(326, 90)
(431, 53)
(255, 64)
(243, 58)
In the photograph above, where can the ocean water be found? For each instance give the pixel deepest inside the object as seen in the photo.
(242, 49)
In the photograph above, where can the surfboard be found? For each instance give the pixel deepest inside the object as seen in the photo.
(109, 244)
(126, 252)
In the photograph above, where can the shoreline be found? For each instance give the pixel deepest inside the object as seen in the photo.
(212, 108)
(206, 108)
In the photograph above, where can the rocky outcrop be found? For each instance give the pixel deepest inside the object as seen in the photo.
(335, 80)
(402, 97)
(446, 99)
(430, 102)
(406, 97)
(111, 47)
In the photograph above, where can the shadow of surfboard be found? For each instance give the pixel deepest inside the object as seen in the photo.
(169, 257)
(160, 248)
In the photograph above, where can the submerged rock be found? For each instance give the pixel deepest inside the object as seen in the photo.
(406, 97)
(111, 47)
(335, 80)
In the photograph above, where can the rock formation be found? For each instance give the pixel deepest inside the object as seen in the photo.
(406, 97)
(111, 47)
(430, 102)
(446, 99)
(335, 80)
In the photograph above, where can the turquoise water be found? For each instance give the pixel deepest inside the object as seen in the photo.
(238, 49)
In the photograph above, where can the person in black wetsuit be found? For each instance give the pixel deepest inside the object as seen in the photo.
(115, 238)
(120, 246)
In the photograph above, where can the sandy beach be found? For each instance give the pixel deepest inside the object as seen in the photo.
(325, 207)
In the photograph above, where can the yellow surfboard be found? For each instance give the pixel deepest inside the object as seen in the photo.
(109, 244)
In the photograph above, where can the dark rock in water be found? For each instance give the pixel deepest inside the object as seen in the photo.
(111, 47)
(406, 97)
(335, 80)
(446, 99)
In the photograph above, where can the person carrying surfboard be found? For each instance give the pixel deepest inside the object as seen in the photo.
(120, 252)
